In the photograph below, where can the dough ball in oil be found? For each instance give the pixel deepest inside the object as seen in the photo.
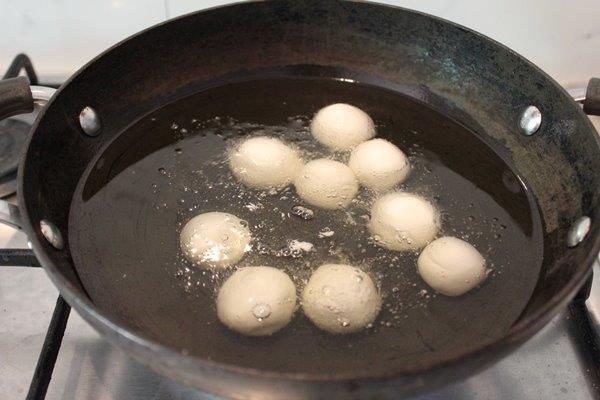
(451, 266)
(256, 301)
(264, 162)
(342, 126)
(326, 184)
(340, 298)
(403, 221)
(215, 239)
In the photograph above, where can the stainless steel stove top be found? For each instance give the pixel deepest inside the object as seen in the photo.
(555, 364)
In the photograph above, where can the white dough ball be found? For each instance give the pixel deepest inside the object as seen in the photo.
(403, 221)
(215, 239)
(340, 298)
(451, 266)
(256, 301)
(342, 126)
(326, 183)
(378, 164)
(264, 162)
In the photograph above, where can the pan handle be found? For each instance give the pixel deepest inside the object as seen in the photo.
(17, 97)
(588, 96)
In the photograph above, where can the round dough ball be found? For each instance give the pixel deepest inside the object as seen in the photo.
(256, 301)
(378, 164)
(215, 239)
(342, 126)
(326, 183)
(264, 162)
(403, 221)
(340, 298)
(451, 266)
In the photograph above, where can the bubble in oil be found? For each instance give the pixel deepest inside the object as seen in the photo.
(254, 206)
(261, 311)
(302, 212)
(284, 252)
(299, 246)
(325, 232)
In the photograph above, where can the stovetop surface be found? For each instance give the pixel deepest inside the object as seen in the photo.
(554, 364)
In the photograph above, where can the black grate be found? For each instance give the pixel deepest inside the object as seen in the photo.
(21, 62)
(49, 354)
(56, 329)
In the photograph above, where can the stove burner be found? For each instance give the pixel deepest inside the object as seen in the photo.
(8, 185)
(13, 133)
(12, 137)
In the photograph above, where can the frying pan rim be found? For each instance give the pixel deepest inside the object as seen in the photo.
(517, 334)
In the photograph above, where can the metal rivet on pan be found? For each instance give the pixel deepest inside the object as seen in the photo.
(531, 119)
(52, 234)
(89, 121)
(578, 231)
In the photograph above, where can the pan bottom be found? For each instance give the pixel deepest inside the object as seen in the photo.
(129, 208)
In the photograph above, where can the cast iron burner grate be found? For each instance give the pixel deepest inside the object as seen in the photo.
(56, 329)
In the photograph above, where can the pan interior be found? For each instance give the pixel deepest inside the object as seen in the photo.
(130, 206)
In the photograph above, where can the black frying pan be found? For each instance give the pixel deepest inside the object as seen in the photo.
(264, 62)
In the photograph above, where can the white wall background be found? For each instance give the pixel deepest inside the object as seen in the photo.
(562, 37)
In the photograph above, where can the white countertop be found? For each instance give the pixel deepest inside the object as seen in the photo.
(562, 37)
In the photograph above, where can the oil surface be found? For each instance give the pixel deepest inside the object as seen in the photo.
(170, 166)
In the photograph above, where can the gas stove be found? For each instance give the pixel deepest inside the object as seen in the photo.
(48, 352)
(558, 363)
